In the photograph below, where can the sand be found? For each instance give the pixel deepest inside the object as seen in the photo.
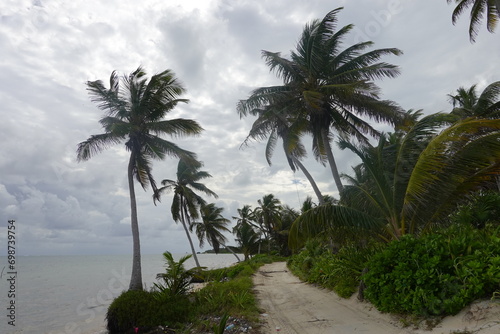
(292, 306)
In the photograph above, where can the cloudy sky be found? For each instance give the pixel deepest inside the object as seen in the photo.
(50, 49)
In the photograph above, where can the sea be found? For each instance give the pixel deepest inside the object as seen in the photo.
(71, 294)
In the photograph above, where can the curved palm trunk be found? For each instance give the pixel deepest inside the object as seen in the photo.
(231, 251)
(183, 218)
(331, 162)
(309, 178)
(136, 277)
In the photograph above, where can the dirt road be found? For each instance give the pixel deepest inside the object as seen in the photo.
(294, 307)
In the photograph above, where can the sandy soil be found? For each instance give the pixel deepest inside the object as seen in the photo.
(292, 306)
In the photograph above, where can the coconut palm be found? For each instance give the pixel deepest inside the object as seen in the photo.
(268, 216)
(186, 202)
(479, 8)
(210, 228)
(248, 239)
(467, 103)
(245, 216)
(329, 88)
(408, 186)
(134, 115)
(274, 122)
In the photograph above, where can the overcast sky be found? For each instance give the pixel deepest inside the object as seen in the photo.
(50, 49)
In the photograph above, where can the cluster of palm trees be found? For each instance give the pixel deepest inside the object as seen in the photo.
(410, 179)
(328, 91)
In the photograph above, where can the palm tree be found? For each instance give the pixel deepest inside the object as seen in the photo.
(245, 216)
(211, 226)
(268, 217)
(479, 8)
(467, 103)
(274, 123)
(329, 88)
(415, 181)
(186, 202)
(134, 114)
(247, 238)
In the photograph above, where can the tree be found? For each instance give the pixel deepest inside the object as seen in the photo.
(134, 114)
(247, 238)
(268, 217)
(329, 88)
(186, 203)
(467, 103)
(479, 8)
(274, 123)
(409, 184)
(210, 228)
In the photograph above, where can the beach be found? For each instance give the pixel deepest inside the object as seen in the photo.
(71, 294)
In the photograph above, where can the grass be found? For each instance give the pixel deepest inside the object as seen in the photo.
(228, 293)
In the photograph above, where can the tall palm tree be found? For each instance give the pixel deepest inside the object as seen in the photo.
(186, 202)
(134, 114)
(210, 228)
(413, 183)
(479, 8)
(328, 87)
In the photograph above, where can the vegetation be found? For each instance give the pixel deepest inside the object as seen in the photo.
(436, 274)
(186, 202)
(135, 113)
(326, 91)
(415, 228)
(479, 8)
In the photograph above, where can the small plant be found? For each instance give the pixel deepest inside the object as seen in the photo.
(221, 327)
(176, 279)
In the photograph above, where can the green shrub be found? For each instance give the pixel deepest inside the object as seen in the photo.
(340, 272)
(483, 208)
(435, 274)
(141, 309)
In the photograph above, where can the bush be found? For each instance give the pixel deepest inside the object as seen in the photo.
(340, 272)
(142, 309)
(436, 274)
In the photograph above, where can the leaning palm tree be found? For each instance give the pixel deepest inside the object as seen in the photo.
(274, 122)
(134, 114)
(186, 203)
(210, 228)
(479, 8)
(329, 88)
(412, 184)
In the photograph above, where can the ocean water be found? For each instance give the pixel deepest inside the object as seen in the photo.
(70, 294)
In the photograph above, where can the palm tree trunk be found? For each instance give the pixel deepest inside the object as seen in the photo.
(231, 251)
(309, 177)
(331, 162)
(183, 218)
(136, 277)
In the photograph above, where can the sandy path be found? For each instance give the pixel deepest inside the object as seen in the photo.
(294, 307)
